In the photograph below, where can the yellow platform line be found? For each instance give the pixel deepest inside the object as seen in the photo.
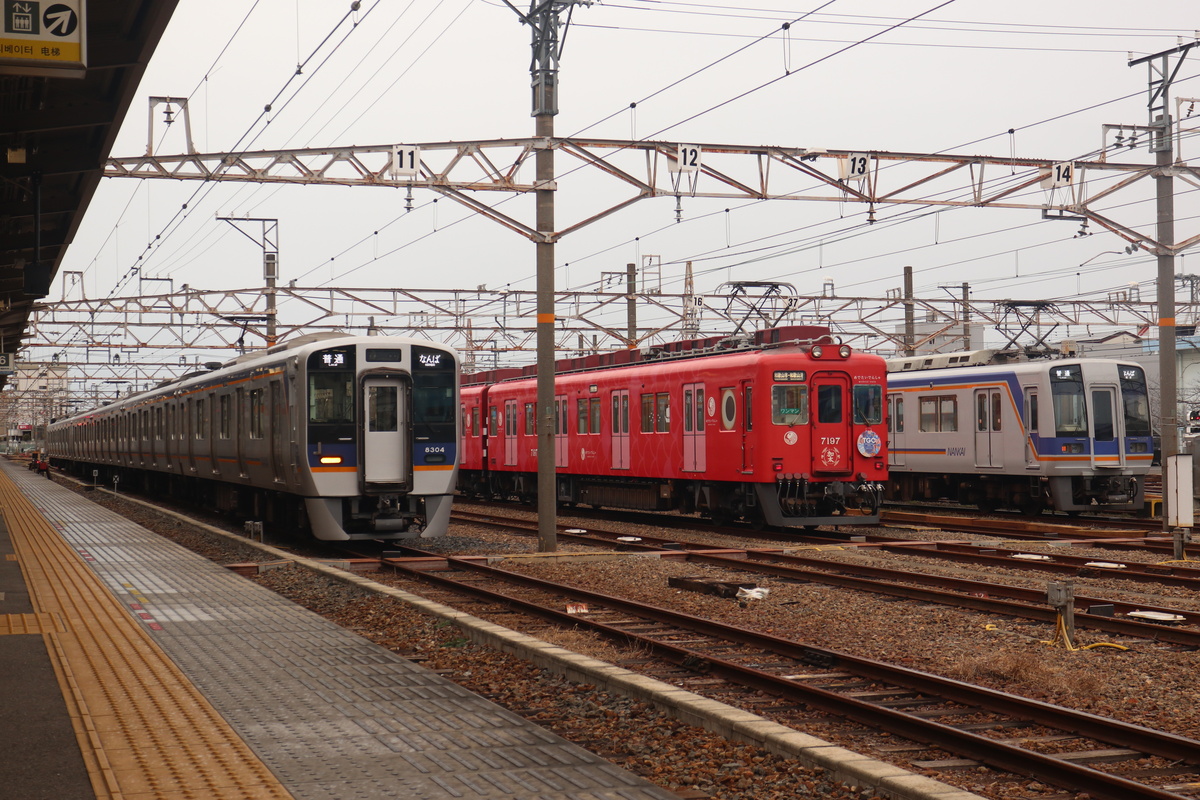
(143, 728)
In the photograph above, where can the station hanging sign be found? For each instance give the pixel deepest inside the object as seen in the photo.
(44, 37)
(6, 363)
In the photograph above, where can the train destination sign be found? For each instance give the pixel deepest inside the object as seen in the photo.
(790, 376)
(43, 38)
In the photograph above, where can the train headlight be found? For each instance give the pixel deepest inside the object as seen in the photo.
(331, 459)
(844, 351)
(817, 351)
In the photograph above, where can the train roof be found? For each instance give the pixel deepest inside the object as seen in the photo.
(687, 348)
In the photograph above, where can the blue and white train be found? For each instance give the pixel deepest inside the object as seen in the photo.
(346, 437)
(1069, 434)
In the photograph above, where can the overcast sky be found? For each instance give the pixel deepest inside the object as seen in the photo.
(955, 79)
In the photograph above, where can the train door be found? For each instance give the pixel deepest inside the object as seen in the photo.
(1106, 448)
(895, 423)
(1031, 427)
(384, 455)
(279, 434)
(560, 431)
(510, 433)
(620, 429)
(747, 426)
(694, 453)
(189, 433)
(832, 436)
(989, 442)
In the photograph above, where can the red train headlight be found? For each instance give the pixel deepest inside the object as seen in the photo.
(844, 351)
(816, 351)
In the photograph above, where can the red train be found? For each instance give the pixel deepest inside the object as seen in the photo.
(783, 427)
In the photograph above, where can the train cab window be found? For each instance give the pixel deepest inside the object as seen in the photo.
(868, 405)
(1135, 400)
(829, 403)
(1066, 392)
(789, 404)
(225, 401)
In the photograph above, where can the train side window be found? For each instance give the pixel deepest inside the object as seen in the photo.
(493, 421)
(662, 416)
(996, 411)
(948, 414)
(1031, 408)
(647, 413)
(616, 412)
(530, 419)
(789, 404)
(158, 422)
(581, 415)
(938, 413)
(899, 424)
(256, 413)
(594, 415)
(200, 404)
(474, 420)
(688, 402)
(225, 416)
(981, 412)
(700, 409)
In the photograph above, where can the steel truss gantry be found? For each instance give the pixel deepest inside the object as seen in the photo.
(1077, 190)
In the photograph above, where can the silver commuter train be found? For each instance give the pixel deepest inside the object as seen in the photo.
(349, 437)
(1068, 434)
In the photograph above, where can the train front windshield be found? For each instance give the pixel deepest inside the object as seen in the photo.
(1070, 411)
(435, 409)
(1136, 400)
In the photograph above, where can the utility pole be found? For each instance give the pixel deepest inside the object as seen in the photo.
(543, 21)
(910, 336)
(1162, 73)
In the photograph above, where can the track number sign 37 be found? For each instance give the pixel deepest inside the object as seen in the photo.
(43, 37)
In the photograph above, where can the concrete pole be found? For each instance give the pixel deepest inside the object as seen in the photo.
(910, 334)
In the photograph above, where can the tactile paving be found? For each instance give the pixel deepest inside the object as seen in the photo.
(333, 716)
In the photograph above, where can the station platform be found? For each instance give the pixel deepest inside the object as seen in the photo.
(132, 668)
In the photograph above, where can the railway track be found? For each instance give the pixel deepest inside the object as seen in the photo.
(949, 723)
(1095, 613)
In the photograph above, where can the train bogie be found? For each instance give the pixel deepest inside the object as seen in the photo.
(1068, 435)
(347, 437)
(782, 432)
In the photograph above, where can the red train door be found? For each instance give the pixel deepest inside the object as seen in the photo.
(693, 428)
(560, 431)
(620, 429)
(832, 436)
(510, 433)
(747, 426)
